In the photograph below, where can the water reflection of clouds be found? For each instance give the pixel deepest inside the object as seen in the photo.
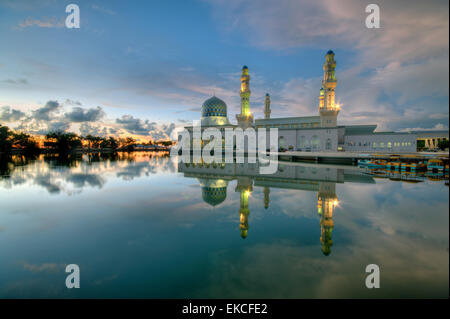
(401, 227)
(71, 176)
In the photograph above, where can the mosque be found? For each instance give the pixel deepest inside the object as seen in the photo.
(318, 133)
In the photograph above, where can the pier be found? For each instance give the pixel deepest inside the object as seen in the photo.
(351, 158)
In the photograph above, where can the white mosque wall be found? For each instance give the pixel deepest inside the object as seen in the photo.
(381, 143)
(323, 139)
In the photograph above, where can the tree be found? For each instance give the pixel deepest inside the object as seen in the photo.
(420, 144)
(443, 144)
(110, 142)
(5, 140)
(24, 142)
(63, 142)
(127, 143)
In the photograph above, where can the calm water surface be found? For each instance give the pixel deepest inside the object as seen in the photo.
(140, 225)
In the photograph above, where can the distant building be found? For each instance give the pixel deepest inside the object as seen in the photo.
(320, 133)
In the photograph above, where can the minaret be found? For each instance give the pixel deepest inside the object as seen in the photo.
(245, 119)
(328, 108)
(326, 202)
(244, 186)
(266, 197)
(267, 107)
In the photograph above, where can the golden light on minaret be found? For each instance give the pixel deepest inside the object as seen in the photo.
(327, 201)
(245, 118)
(244, 187)
(328, 108)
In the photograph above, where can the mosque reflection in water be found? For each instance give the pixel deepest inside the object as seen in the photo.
(214, 180)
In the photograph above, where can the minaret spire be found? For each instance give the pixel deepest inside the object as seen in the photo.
(267, 110)
(328, 108)
(245, 119)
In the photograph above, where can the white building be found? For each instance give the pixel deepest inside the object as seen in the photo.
(316, 133)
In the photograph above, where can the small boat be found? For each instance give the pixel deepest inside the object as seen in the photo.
(435, 165)
(363, 162)
(396, 166)
(376, 164)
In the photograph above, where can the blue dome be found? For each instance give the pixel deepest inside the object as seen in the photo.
(214, 107)
(214, 195)
(214, 191)
(244, 67)
(330, 52)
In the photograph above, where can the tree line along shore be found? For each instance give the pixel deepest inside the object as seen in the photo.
(12, 142)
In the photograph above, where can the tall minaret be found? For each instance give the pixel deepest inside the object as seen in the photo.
(245, 119)
(327, 106)
(267, 107)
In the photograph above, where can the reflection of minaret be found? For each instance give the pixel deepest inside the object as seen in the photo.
(245, 119)
(266, 197)
(244, 186)
(327, 201)
(267, 110)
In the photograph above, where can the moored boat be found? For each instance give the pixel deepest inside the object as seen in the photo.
(435, 164)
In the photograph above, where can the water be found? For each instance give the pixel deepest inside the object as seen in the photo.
(140, 226)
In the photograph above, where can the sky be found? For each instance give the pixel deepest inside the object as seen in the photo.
(144, 68)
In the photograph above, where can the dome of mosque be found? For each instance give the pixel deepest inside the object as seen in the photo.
(214, 112)
(330, 52)
(214, 192)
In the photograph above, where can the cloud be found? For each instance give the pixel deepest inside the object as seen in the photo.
(10, 115)
(79, 114)
(45, 267)
(400, 69)
(44, 113)
(44, 119)
(41, 23)
(95, 130)
(103, 10)
(150, 129)
(72, 102)
(16, 81)
(135, 125)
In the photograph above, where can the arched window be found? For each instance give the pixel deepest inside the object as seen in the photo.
(315, 143)
(281, 143)
(303, 143)
(328, 146)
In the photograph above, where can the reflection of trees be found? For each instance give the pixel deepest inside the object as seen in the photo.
(9, 163)
(66, 160)
(70, 173)
(5, 167)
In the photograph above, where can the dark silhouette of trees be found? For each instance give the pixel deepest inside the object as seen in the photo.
(443, 144)
(110, 142)
(62, 142)
(5, 140)
(127, 143)
(10, 140)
